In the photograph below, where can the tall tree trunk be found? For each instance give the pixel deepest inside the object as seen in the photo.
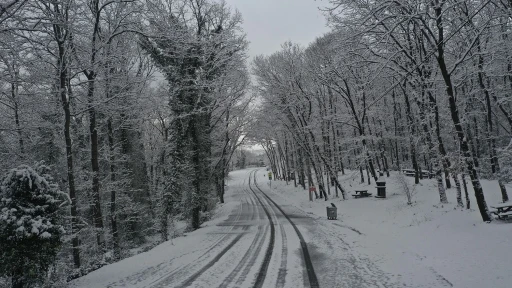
(302, 174)
(397, 155)
(368, 174)
(196, 182)
(165, 180)
(164, 209)
(310, 177)
(224, 155)
(15, 99)
(96, 205)
(503, 190)
(113, 216)
(440, 185)
(61, 35)
(109, 72)
(396, 132)
(412, 147)
(495, 167)
(440, 143)
(477, 187)
(294, 164)
(438, 162)
(91, 78)
(468, 202)
(459, 191)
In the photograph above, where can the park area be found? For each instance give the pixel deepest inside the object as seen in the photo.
(425, 244)
(373, 242)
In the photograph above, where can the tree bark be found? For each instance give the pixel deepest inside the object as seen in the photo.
(479, 193)
(110, 135)
(468, 202)
(61, 35)
(96, 206)
(14, 95)
(412, 147)
(459, 192)
(113, 216)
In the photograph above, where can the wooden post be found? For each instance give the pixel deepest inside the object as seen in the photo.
(311, 190)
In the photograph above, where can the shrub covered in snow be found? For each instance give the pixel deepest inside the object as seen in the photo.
(30, 230)
(404, 186)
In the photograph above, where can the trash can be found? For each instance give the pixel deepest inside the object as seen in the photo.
(381, 189)
(332, 213)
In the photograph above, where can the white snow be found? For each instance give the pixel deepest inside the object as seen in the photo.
(374, 242)
(148, 268)
(501, 205)
(421, 245)
(34, 230)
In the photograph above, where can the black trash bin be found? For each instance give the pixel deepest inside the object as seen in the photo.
(381, 189)
(332, 213)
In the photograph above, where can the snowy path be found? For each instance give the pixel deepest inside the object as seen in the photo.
(245, 250)
(228, 254)
(335, 263)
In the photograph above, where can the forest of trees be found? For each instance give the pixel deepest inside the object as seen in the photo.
(134, 109)
(135, 106)
(418, 84)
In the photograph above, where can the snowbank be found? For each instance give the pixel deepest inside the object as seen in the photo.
(425, 244)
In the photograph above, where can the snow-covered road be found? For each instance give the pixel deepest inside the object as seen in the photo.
(334, 262)
(255, 245)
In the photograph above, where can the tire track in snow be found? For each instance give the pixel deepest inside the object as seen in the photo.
(229, 279)
(252, 261)
(196, 275)
(281, 276)
(266, 260)
(169, 278)
(441, 278)
(313, 280)
(256, 242)
(351, 264)
(251, 214)
(184, 269)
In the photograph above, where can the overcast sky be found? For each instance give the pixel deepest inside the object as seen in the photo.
(270, 23)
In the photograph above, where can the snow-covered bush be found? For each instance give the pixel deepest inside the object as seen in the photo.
(30, 230)
(404, 186)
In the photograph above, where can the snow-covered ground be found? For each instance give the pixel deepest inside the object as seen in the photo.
(373, 243)
(227, 251)
(421, 245)
(148, 268)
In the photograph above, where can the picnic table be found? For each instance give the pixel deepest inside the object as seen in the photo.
(409, 173)
(361, 194)
(502, 210)
(412, 172)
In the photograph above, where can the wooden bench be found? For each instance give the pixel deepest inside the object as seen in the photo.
(361, 194)
(502, 215)
(502, 210)
(412, 173)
